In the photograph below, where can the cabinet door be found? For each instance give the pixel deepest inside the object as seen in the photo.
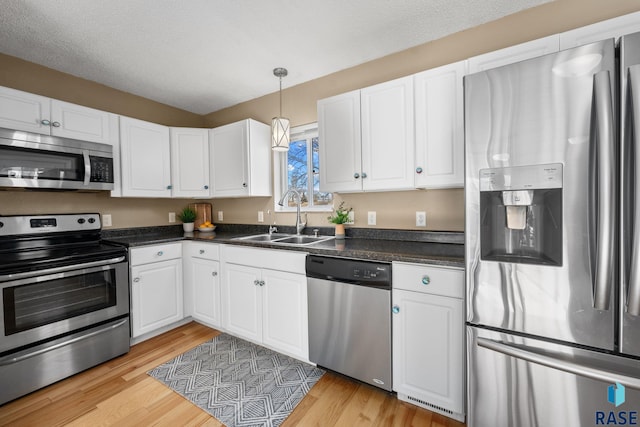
(388, 137)
(156, 295)
(285, 323)
(145, 156)
(511, 54)
(611, 28)
(242, 301)
(340, 143)
(190, 162)
(78, 122)
(205, 283)
(428, 360)
(24, 111)
(440, 127)
(229, 176)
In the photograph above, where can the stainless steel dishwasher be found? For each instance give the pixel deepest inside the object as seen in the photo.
(350, 317)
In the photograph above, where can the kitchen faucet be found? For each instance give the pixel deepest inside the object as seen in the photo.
(299, 224)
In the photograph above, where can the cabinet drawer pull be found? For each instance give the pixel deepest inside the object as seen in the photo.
(418, 169)
(168, 187)
(261, 282)
(214, 273)
(395, 309)
(256, 282)
(206, 187)
(136, 280)
(45, 122)
(160, 253)
(55, 124)
(244, 185)
(201, 251)
(426, 280)
(356, 175)
(364, 175)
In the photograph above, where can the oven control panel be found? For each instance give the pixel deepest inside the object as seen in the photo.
(37, 224)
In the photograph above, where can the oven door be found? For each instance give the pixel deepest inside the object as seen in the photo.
(41, 305)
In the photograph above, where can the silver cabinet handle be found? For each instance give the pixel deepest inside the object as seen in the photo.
(262, 283)
(356, 175)
(244, 185)
(602, 191)
(160, 253)
(201, 251)
(426, 280)
(45, 122)
(633, 104)
(256, 282)
(364, 175)
(559, 363)
(55, 124)
(169, 187)
(136, 280)
(214, 273)
(206, 187)
(395, 309)
(418, 169)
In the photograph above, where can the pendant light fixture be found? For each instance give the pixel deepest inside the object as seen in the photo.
(280, 125)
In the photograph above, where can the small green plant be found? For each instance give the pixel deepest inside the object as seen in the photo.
(187, 215)
(341, 215)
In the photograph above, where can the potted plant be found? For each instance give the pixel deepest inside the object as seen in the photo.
(340, 217)
(187, 216)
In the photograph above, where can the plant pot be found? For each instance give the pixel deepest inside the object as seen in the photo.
(187, 226)
(339, 231)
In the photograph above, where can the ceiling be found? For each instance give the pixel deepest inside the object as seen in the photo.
(205, 55)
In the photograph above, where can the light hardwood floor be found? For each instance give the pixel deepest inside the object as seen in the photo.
(119, 392)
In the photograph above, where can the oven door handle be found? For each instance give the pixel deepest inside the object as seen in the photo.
(28, 274)
(10, 360)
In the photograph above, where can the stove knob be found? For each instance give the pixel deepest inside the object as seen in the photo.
(80, 220)
(1, 224)
(92, 220)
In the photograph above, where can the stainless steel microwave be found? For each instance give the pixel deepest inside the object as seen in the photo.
(29, 160)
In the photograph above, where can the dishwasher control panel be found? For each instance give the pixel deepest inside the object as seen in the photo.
(349, 270)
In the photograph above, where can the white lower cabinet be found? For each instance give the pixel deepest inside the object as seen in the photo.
(202, 282)
(428, 337)
(264, 298)
(156, 287)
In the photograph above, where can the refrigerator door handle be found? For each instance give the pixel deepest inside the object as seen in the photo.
(633, 292)
(560, 363)
(602, 160)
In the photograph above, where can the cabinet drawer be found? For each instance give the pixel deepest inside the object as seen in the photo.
(428, 279)
(155, 253)
(210, 251)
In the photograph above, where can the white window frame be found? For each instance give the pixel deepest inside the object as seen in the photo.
(280, 176)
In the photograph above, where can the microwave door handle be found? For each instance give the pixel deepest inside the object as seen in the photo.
(560, 363)
(602, 189)
(633, 126)
(87, 167)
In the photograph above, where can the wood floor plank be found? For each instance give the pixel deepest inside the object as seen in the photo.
(119, 392)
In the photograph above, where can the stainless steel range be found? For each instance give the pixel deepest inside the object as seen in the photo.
(64, 300)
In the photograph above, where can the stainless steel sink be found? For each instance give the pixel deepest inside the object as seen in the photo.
(285, 239)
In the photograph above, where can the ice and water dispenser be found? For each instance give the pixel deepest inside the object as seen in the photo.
(521, 214)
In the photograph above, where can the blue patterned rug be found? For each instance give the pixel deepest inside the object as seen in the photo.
(238, 382)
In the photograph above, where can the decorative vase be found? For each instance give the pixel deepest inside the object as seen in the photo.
(187, 227)
(339, 231)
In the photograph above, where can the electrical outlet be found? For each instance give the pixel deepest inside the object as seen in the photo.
(371, 218)
(421, 219)
(260, 216)
(106, 220)
(172, 217)
(220, 216)
(352, 217)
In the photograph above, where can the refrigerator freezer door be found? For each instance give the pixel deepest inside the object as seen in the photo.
(536, 112)
(630, 230)
(516, 381)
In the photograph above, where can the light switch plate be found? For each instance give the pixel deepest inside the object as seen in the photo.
(371, 218)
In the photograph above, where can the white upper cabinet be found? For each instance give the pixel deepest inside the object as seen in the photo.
(439, 98)
(34, 113)
(611, 28)
(340, 142)
(145, 159)
(189, 162)
(516, 53)
(388, 137)
(367, 138)
(240, 159)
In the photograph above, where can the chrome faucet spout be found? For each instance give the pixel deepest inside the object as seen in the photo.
(299, 224)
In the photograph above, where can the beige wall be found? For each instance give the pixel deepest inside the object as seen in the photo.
(444, 208)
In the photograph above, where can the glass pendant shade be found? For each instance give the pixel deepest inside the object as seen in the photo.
(279, 134)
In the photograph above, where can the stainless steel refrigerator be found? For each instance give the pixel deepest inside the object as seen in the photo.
(552, 231)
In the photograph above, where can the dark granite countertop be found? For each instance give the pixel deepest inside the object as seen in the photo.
(437, 248)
